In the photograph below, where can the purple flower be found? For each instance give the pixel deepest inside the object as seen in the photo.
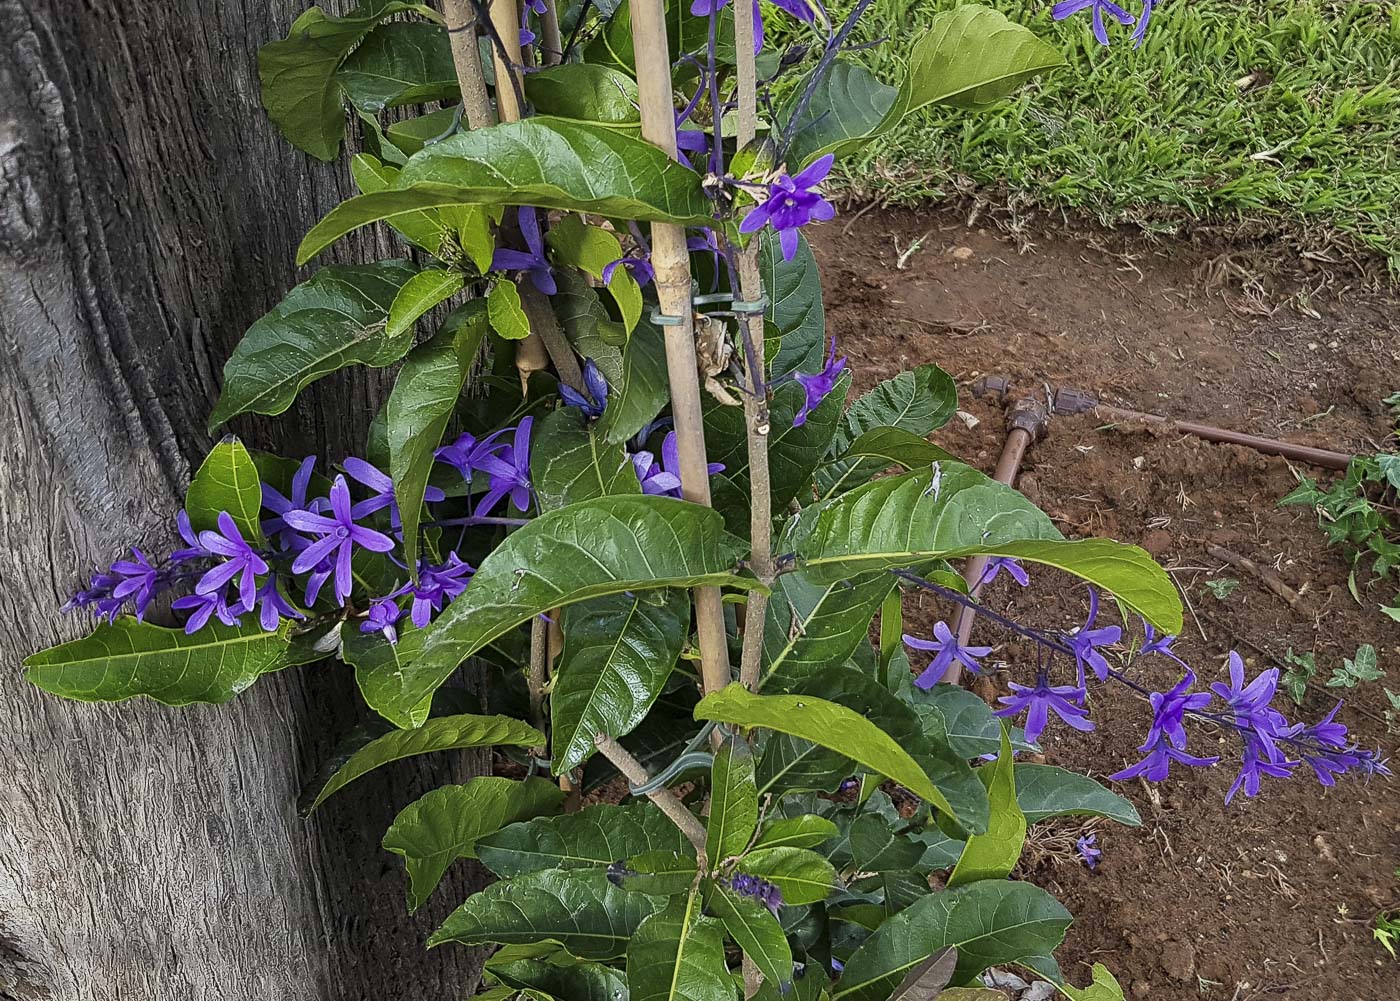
(1156, 765)
(382, 617)
(509, 472)
(276, 528)
(240, 560)
(1068, 8)
(819, 385)
(946, 649)
(339, 535)
(1255, 763)
(704, 8)
(1250, 705)
(1152, 643)
(1329, 752)
(597, 386)
(1066, 701)
(792, 202)
(997, 564)
(98, 595)
(1088, 851)
(193, 550)
(663, 479)
(533, 261)
(139, 582)
(1169, 711)
(273, 607)
(693, 142)
(759, 889)
(805, 11)
(1140, 31)
(362, 472)
(202, 607)
(465, 454)
(437, 585)
(640, 267)
(1085, 640)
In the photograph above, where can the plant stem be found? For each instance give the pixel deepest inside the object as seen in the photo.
(466, 58)
(535, 680)
(551, 41)
(664, 798)
(672, 263)
(545, 329)
(756, 420)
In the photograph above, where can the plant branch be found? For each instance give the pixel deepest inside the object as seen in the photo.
(673, 282)
(466, 58)
(551, 42)
(535, 680)
(664, 798)
(544, 326)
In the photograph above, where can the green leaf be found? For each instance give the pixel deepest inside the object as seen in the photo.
(595, 837)
(966, 721)
(902, 520)
(400, 63)
(227, 480)
(794, 320)
(678, 955)
(298, 74)
(803, 876)
(811, 626)
(918, 402)
(796, 832)
(335, 319)
(892, 446)
(508, 317)
(685, 32)
(662, 874)
(443, 826)
(574, 981)
(126, 658)
(733, 801)
(445, 733)
(876, 848)
(419, 294)
(990, 922)
(375, 659)
(617, 656)
(994, 854)
(586, 323)
(638, 385)
(1044, 791)
(969, 57)
(791, 765)
(570, 463)
(586, 550)
(579, 909)
(585, 92)
(1104, 988)
(758, 933)
(420, 405)
(591, 249)
(827, 724)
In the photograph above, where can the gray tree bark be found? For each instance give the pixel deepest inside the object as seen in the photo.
(148, 213)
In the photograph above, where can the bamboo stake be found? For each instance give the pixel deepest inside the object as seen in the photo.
(756, 366)
(505, 19)
(551, 41)
(466, 58)
(672, 263)
(664, 798)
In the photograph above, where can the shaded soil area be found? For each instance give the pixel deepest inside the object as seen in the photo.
(1265, 898)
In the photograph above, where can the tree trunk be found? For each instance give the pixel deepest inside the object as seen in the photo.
(148, 214)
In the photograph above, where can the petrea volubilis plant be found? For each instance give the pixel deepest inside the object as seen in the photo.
(602, 211)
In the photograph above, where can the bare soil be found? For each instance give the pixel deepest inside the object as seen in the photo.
(1266, 898)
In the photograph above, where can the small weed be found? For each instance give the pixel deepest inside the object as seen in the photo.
(1357, 669)
(1392, 722)
(1387, 931)
(1301, 668)
(1222, 587)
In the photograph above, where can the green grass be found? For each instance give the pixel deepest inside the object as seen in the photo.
(1162, 134)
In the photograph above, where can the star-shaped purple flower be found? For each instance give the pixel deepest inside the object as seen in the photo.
(819, 385)
(273, 607)
(140, 582)
(663, 479)
(509, 471)
(1086, 640)
(1088, 851)
(946, 650)
(276, 528)
(1010, 564)
(370, 476)
(596, 401)
(339, 535)
(640, 268)
(437, 585)
(203, 607)
(383, 615)
(240, 560)
(532, 261)
(465, 454)
(1066, 701)
(1068, 8)
(792, 203)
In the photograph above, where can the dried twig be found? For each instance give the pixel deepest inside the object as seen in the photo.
(1265, 575)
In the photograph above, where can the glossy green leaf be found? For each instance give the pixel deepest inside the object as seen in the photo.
(586, 550)
(585, 92)
(827, 724)
(400, 63)
(420, 405)
(126, 658)
(591, 249)
(434, 831)
(419, 294)
(586, 323)
(965, 721)
(794, 320)
(892, 446)
(570, 463)
(678, 955)
(298, 74)
(790, 765)
(811, 626)
(445, 733)
(409, 135)
(876, 848)
(1044, 791)
(919, 401)
(796, 832)
(685, 32)
(1105, 987)
(335, 319)
(638, 385)
(579, 909)
(733, 801)
(901, 520)
(990, 922)
(375, 659)
(993, 854)
(757, 931)
(661, 873)
(618, 653)
(507, 316)
(562, 981)
(803, 876)
(595, 837)
(227, 480)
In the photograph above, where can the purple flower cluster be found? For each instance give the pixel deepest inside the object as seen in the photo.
(1270, 744)
(1098, 8)
(761, 890)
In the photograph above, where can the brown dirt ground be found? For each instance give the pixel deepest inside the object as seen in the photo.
(1266, 898)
